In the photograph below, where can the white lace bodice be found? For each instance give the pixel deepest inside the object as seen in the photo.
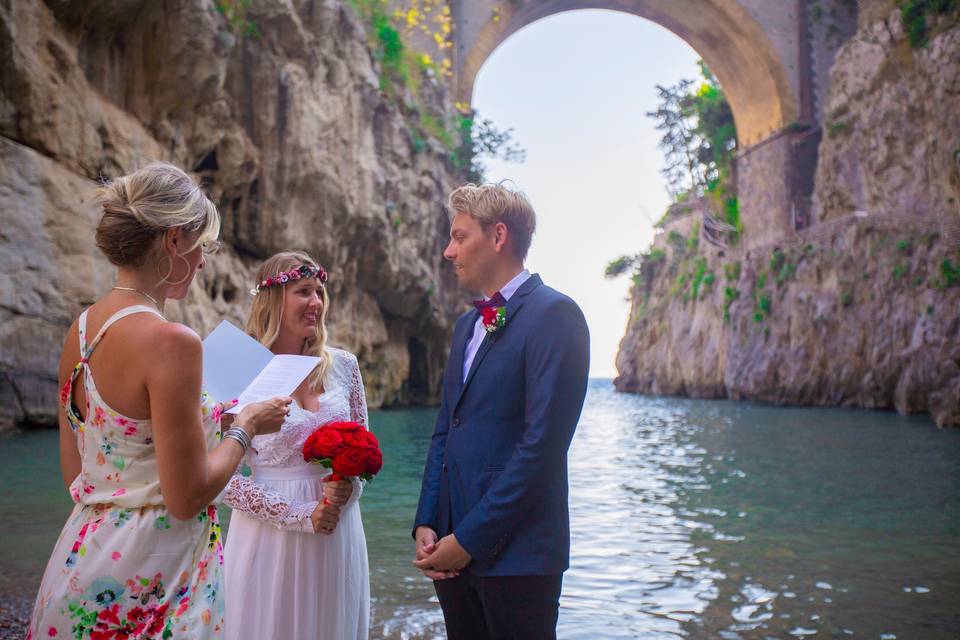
(343, 399)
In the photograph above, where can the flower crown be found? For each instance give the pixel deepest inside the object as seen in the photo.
(303, 271)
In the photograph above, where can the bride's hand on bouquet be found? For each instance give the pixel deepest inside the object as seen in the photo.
(325, 518)
(337, 491)
(266, 416)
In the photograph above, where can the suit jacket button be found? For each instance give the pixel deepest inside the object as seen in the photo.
(456, 421)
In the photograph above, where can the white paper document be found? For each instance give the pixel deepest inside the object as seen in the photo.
(237, 366)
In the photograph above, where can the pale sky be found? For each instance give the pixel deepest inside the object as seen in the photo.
(575, 87)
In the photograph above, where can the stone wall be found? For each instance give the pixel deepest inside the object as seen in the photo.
(764, 190)
(293, 138)
(830, 24)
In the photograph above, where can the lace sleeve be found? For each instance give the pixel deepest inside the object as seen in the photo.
(358, 399)
(253, 499)
(358, 414)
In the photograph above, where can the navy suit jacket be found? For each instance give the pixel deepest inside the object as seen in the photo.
(496, 472)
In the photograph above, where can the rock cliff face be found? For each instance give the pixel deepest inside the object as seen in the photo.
(863, 308)
(892, 129)
(293, 139)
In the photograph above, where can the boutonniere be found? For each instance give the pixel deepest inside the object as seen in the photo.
(494, 318)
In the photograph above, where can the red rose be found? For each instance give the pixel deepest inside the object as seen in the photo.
(489, 315)
(343, 426)
(309, 448)
(350, 462)
(357, 439)
(350, 447)
(374, 460)
(328, 443)
(322, 443)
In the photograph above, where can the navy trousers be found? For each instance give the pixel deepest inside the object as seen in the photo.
(500, 607)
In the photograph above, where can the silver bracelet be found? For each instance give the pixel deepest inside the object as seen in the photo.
(239, 435)
(239, 430)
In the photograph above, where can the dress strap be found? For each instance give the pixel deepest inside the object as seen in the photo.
(66, 393)
(119, 315)
(82, 329)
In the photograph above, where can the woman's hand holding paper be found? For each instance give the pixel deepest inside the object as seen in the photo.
(266, 416)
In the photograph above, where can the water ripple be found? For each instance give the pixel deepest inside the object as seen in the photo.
(689, 519)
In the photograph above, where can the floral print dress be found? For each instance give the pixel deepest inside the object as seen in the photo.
(123, 567)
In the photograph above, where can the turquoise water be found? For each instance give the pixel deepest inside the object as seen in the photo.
(690, 519)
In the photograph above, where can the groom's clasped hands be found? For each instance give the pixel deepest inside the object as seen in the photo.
(439, 559)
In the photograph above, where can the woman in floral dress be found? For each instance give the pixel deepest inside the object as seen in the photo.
(296, 557)
(140, 555)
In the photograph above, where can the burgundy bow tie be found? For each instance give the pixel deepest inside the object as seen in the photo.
(496, 301)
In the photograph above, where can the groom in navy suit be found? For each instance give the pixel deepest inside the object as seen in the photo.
(492, 528)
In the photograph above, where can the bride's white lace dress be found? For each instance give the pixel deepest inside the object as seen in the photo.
(283, 581)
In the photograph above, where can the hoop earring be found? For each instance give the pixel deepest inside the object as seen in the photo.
(163, 278)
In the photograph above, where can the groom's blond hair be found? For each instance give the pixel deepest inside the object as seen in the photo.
(491, 203)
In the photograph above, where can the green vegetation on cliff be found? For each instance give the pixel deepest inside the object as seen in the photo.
(917, 15)
(699, 136)
(480, 138)
(235, 11)
(950, 273)
(405, 75)
(699, 141)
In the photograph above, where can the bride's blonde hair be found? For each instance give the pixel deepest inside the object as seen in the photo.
(266, 315)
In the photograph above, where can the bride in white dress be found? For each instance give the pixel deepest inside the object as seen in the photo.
(295, 556)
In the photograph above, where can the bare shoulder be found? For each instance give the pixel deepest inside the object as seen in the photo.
(172, 339)
(72, 338)
(71, 355)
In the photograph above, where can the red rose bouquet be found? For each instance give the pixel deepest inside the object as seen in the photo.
(345, 447)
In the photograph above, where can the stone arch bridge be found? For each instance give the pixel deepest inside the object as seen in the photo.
(771, 56)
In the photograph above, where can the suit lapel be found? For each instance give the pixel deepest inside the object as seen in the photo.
(458, 350)
(513, 307)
